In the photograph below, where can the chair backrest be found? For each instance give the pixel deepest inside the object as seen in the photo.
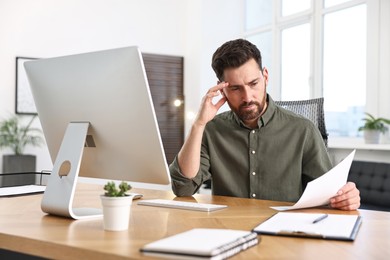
(372, 180)
(313, 109)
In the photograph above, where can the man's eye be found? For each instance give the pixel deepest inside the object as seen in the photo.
(233, 88)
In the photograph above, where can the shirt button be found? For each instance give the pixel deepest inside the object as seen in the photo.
(253, 173)
(253, 131)
(253, 151)
(253, 195)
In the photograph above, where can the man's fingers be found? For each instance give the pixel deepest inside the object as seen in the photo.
(220, 102)
(347, 187)
(347, 198)
(212, 94)
(218, 87)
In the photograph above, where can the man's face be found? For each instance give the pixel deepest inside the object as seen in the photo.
(246, 92)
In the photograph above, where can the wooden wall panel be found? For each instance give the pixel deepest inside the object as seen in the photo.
(165, 76)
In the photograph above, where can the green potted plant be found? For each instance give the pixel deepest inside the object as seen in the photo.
(116, 204)
(373, 127)
(15, 136)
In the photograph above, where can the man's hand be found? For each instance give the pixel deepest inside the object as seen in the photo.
(347, 198)
(189, 155)
(208, 109)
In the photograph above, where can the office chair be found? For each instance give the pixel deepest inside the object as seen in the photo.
(312, 109)
(371, 178)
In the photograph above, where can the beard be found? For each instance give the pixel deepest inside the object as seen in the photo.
(245, 114)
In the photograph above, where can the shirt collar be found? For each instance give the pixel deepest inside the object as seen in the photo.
(266, 117)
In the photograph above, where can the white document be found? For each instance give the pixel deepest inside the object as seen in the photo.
(319, 191)
(21, 190)
(334, 226)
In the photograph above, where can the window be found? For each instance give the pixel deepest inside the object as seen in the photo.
(253, 19)
(291, 7)
(264, 42)
(344, 69)
(295, 71)
(312, 49)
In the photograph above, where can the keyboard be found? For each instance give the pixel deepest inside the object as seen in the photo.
(181, 205)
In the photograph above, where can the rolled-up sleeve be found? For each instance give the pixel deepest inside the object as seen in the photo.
(181, 185)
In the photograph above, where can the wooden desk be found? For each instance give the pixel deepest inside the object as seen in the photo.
(25, 228)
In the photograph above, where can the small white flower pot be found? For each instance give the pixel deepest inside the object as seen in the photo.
(372, 136)
(116, 212)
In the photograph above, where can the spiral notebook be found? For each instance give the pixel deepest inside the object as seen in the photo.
(205, 243)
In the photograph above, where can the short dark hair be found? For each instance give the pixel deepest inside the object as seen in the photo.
(233, 54)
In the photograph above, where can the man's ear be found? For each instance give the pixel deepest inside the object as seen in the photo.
(265, 74)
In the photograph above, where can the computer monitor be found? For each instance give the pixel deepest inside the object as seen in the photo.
(98, 119)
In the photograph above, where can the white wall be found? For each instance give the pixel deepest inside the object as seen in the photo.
(210, 24)
(47, 28)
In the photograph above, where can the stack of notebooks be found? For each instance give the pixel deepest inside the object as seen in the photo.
(205, 243)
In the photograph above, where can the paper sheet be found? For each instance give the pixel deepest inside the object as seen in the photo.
(319, 191)
(21, 190)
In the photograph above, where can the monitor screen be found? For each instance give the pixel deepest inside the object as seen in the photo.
(109, 90)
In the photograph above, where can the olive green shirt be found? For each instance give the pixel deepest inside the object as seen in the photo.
(272, 162)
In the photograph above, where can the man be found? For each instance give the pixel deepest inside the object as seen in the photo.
(256, 150)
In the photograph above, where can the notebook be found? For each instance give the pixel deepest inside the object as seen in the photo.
(205, 243)
(312, 225)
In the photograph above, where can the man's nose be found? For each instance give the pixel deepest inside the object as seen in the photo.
(246, 94)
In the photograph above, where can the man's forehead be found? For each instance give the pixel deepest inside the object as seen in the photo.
(244, 79)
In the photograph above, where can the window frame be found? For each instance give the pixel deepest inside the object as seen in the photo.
(315, 17)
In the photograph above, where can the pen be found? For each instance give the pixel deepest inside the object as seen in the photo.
(320, 218)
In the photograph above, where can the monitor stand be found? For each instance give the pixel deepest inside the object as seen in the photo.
(60, 189)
